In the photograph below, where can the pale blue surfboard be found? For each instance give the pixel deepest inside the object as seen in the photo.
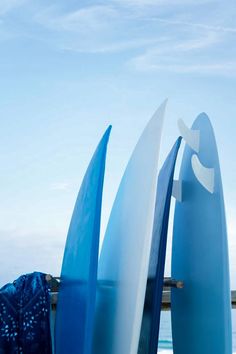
(76, 298)
(148, 342)
(124, 260)
(201, 311)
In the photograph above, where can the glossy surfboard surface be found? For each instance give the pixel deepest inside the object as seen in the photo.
(148, 342)
(124, 260)
(201, 311)
(76, 298)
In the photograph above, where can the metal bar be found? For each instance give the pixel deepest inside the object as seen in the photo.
(166, 302)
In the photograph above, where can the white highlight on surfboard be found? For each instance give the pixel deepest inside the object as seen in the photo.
(205, 175)
(128, 228)
(191, 136)
(177, 190)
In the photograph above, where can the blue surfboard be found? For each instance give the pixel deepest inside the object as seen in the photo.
(76, 298)
(148, 342)
(124, 260)
(201, 311)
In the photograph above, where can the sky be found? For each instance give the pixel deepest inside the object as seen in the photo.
(68, 69)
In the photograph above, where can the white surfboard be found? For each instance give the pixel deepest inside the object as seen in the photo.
(124, 260)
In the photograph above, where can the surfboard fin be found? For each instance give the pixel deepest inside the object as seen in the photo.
(205, 175)
(192, 137)
(177, 190)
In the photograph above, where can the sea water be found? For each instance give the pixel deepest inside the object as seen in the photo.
(165, 337)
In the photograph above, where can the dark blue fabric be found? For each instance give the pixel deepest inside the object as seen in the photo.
(25, 316)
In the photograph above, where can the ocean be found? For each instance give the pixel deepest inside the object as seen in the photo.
(165, 337)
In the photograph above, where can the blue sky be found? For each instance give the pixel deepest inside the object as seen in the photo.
(67, 70)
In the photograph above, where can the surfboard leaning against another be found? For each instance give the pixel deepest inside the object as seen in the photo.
(201, 311)
(123, 264)
(76, 298)
(148, 342)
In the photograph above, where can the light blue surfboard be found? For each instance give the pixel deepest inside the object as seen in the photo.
(124, 260)
(76, 298)
(148, 342)
(201, 311)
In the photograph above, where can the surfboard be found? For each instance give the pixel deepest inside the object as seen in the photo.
(201, 311)
(76, 297)
(148, 342)
(123, 264)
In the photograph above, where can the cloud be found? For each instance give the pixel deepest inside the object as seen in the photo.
(95, 29)
(92, 29)
(8, 5)
(112, 28)
(118, 46)
(112, 16)
(92, 18)
(202, 26)
(154, 39)
(157, 3)
(216, 69)
(184, 57)
(151, 63)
